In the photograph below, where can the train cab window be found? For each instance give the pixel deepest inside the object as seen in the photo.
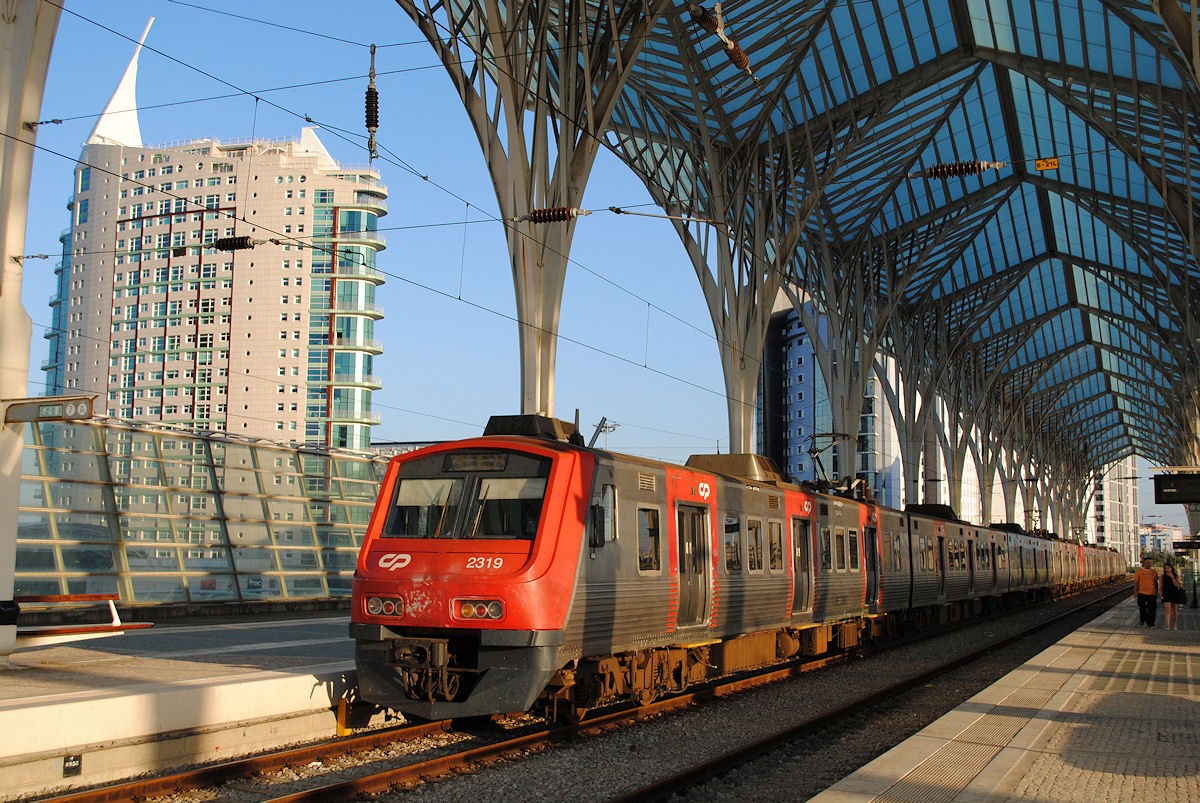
(424, 508)
(469, 494)
(897, 552)
(754, 546)
(649, 549)
(839, 549)
(852, 535)
(508, 507)
(826, 549)
(775, 546)
(733, 544)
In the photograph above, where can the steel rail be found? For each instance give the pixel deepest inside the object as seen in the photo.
(243, 767)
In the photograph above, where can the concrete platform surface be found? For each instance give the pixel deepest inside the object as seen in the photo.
(1110, 713)
(166, 697)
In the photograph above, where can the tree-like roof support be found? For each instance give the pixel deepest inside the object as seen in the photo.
(539, 82)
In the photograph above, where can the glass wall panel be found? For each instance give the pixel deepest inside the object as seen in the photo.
(244, 507)
(212, 587)
(35, 558)
(83, 527)
(151, 588)
(88, 558)
(109, 507)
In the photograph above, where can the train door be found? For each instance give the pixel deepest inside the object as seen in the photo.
(801, 545)
(970, 566)
(693, 534)
(941, 564)
(871, 559)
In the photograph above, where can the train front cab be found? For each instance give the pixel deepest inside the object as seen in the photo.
(465, 575)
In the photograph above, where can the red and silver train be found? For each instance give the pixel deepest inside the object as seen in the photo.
(522, 569)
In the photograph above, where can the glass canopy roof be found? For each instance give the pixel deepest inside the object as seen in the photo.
(1065, 277)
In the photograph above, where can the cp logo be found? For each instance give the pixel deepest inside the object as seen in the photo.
(806, 507)
(704, 491)
(394, 560)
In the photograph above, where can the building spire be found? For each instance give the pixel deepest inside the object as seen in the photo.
(118, 124)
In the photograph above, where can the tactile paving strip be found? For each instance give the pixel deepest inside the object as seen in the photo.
(954, 765)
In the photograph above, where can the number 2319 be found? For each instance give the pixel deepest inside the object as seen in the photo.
(484, 563)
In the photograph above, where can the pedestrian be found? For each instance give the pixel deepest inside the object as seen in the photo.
(1172, 596)
(1145, 585)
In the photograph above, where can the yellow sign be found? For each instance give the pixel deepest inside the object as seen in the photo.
(1049, 163)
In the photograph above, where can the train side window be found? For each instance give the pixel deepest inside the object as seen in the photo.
(897, 552)
(930, 561)
(608, 499)
(826, 549)
(853, 537)
(775, 546)
(649, 550)
(921, 554)
(754, 561)
(733, 544)
(839, 549)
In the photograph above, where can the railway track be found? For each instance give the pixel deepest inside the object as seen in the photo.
(537, 739)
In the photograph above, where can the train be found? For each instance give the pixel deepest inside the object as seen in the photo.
(525, 571)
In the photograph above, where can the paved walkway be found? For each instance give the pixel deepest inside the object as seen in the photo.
(1110, 713)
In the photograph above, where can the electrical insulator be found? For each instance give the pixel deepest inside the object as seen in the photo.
(703, 17)
(555, 214)
(233, 243)
(958, 169)
(372, 109)
(738, 56)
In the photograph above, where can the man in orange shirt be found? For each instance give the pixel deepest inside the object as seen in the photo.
(1145, 585)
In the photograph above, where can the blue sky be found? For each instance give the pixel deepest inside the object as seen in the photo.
(648, 360)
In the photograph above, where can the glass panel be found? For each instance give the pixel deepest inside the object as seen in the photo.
(212, 587)
(31, 558)
(152, 558)
(424, 508)
(649, 553)
(82, 527)
(257, 586)
(733, 544)
(211, 559)
(246, 559)
(306, 585)
(148, 588)
(339, 560)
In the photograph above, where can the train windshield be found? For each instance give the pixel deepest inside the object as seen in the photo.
(470, 494)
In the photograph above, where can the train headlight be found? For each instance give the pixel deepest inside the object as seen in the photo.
(385, 606)
(478, 609)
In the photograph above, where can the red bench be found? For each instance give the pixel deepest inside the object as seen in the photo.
(38, 635)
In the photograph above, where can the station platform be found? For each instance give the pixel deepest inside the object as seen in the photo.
(1110, 713)
(106, 709)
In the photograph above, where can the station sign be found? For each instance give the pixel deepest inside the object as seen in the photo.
(47, 408)
(1176, 488)
(1190, 543)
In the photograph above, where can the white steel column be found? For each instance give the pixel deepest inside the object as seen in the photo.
(539, 82)
(27, 30)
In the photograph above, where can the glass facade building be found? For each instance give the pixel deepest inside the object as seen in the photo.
(157, 515)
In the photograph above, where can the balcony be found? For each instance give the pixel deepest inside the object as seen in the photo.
(358, 271)
(371, 238)
(358, 344)
(356, 380)
(349, 414)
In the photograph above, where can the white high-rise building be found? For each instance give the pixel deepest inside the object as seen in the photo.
(272, 341)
